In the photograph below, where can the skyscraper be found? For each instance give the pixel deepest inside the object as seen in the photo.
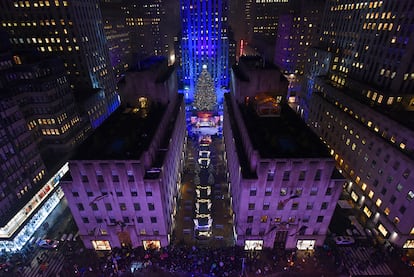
(297, 32)
(72, 30)
(117, 36)
(361, 104)
(39, 124)
(204, 42)
(152, 25)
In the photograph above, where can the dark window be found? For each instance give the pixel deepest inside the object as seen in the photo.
(387, 158)
(286, 176)
(75, 194)
(108, 206)
(151, 206)
(153, 219)
(99, 220)
(148, 193)
(115, 178)
(309, 206)
(134, 193)
(319, 219)
(249, 219)
(125, 219)
(261, 232)
(251, 206)
(89, 193)
(84, 179)
(268, 192)
(80, 206)
(140, 219)
(253, 192)
(396, 165)
(137, 207)
(122, 206)
(266, 206)
(324, 206)
(314, 191)
(248, 231)
(295, 205)
(375, 183)
(156, 232)
(383, 191)
(402, 209)
(370, 145)
(85, 220)
(270, 175)
(318, 175)
(100, 178)
(389, 179)
(131, 178)
(119, 194)
(406, 173)
(280, 205)
(302, 175)
(392, 199)
(112, 220)
(328, 191)
(94, 207)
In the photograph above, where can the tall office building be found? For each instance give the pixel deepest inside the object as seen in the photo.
(39, 125)
(74, 31)
(204, 42)
(296, 33)
(117, 36)
(283, 182)
(262, 19)
(361, 103)
(124, 181)
(152, 25)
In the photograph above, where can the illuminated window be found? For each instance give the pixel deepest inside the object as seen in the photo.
(410, 195)
(371, 194)
(396, 220)
(378, 202)
(387, 211)
(382, 230)
(367, 211)
(364, 186)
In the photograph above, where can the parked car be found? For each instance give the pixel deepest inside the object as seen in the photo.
(48, 243)
(344, 240)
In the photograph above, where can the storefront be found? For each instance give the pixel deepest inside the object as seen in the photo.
(253, 244)
(151, 244)
(101, 245)
(305, 244)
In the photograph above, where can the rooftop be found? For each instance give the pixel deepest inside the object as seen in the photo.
(285, 136)
(124, 135)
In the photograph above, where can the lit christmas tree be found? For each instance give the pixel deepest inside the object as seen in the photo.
(205, 98)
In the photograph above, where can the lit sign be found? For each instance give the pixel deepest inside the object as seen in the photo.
(8, 230)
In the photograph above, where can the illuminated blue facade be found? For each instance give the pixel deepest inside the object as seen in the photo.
(204, 42)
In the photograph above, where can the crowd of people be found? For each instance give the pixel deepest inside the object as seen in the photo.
(181, 260)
